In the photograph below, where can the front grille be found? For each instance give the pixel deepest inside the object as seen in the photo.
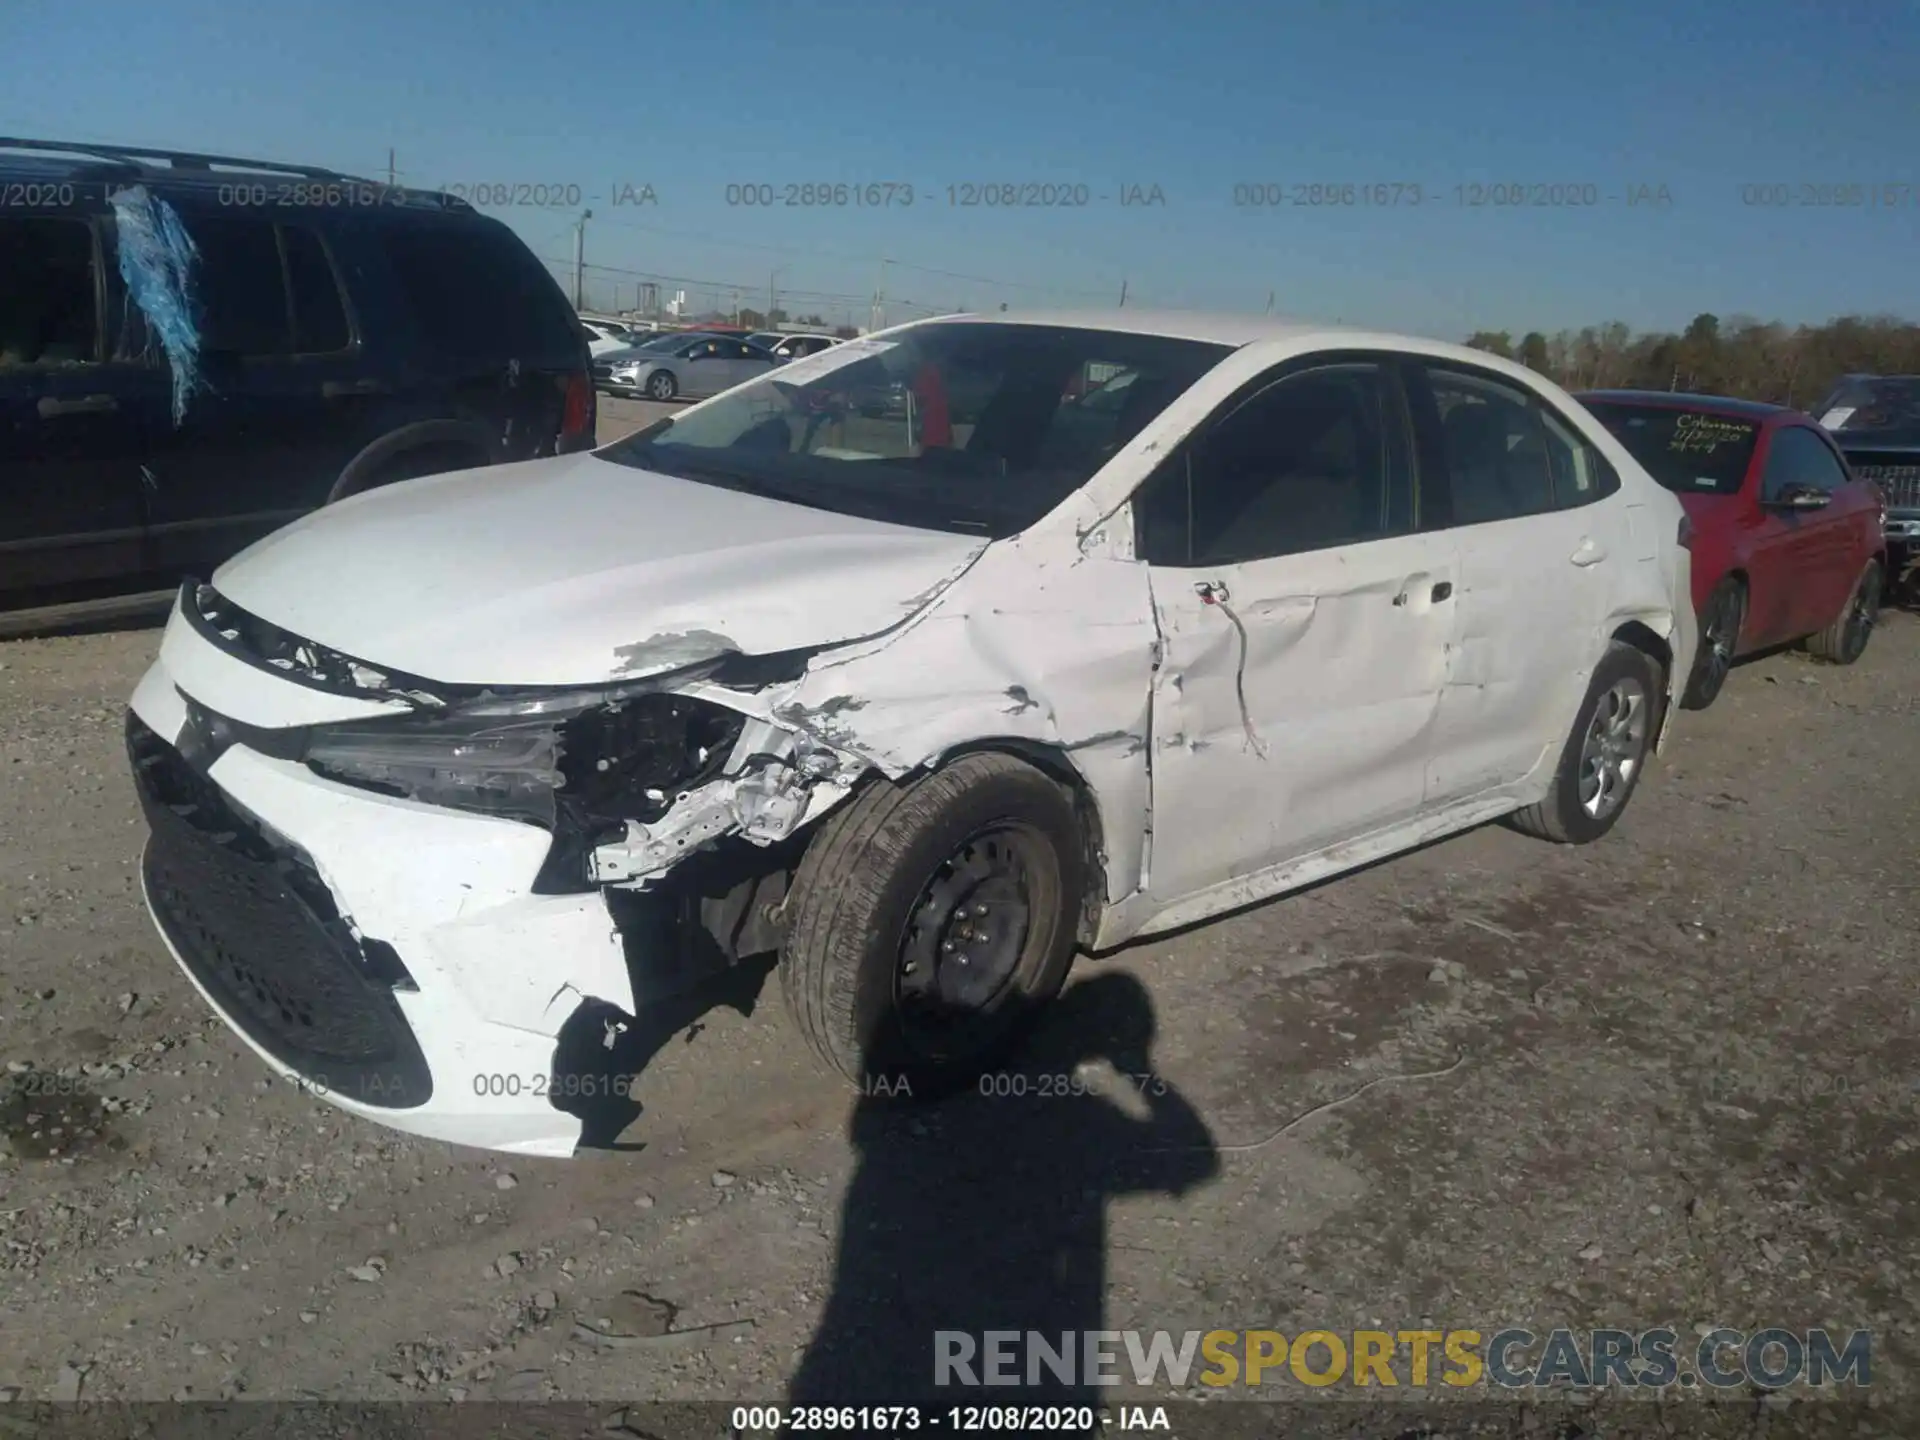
(1899, 483)
(602, 373)
(251, 918)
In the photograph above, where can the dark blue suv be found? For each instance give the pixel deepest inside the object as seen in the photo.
(196, 349)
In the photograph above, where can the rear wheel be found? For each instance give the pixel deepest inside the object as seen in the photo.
(1604, 756)
(1845, 640)
(932, 921)
(1720, 622)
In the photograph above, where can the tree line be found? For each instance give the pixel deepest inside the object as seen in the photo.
(1749, 358)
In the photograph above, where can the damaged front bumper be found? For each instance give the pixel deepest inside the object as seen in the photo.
(412, 963)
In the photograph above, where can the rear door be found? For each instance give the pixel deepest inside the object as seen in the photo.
(749, 362)
(70, 452)
(707, 369)
(1541, 536)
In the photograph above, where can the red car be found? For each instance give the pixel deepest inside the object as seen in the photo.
(1788, 544)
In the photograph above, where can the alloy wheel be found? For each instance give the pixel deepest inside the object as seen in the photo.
(1614, 748)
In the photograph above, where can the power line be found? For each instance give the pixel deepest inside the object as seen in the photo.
(852, 259)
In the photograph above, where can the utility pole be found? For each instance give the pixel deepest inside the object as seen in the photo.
(1123, 294)
(390, 184)
(1269, 302)
(876, 320)
(773, 298)
(580, 255)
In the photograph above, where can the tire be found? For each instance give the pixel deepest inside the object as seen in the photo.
(1720, 621)
(662, 386)
(1845, 640)
(1564, 817)
(884, 893)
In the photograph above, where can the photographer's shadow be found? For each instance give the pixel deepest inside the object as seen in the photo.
(988, 1212)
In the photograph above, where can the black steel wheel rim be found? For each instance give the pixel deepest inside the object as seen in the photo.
(967, 940)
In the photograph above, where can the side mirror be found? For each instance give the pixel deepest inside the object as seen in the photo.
(1801, 497)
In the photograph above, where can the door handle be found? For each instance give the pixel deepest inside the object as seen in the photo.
(79, 405)
(1588, 552)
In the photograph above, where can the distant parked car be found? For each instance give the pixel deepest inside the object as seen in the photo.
(1890, 460)
(688, 367)
(604, 339)
(1787, 544)
(1885, 403)
(291, 336)
(767, 339)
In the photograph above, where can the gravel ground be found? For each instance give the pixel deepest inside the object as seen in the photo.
(1679, 1088)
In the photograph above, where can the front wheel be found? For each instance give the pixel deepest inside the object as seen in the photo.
(1845, 640)
(662, 386)
(1606, 753)
(1720, 621)
(932, 921)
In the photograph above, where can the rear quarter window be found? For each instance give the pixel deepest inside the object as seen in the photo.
(477, 292)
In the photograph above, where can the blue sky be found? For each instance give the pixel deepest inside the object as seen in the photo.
(1703, 99)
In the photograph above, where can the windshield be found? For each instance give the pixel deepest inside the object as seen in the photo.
(955, 425)
(1873, 402)
(1688, 451)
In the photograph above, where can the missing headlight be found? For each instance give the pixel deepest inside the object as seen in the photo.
(633, 759)
(574, 762)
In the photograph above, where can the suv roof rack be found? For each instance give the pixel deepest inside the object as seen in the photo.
(190, 164)
(183, 160)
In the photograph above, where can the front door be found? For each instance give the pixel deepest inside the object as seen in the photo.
(1805, 562)
(1304, 627)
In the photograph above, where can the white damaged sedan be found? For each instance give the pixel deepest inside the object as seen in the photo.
(924, 663)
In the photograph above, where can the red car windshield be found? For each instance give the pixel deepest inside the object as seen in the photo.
(1691, 452)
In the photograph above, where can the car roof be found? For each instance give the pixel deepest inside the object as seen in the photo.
(1240, 331)
(1708, 404)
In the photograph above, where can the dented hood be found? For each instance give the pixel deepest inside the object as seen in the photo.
(579, 570)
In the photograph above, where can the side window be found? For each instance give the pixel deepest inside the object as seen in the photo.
(243, 289)
(477, 293)
(319, 317)
(1580, 473)
(1315, 460)
(47, 312)
(737, 350)
(1797, 456)
(1496, 445)
(1814, 464)
(707, 350)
